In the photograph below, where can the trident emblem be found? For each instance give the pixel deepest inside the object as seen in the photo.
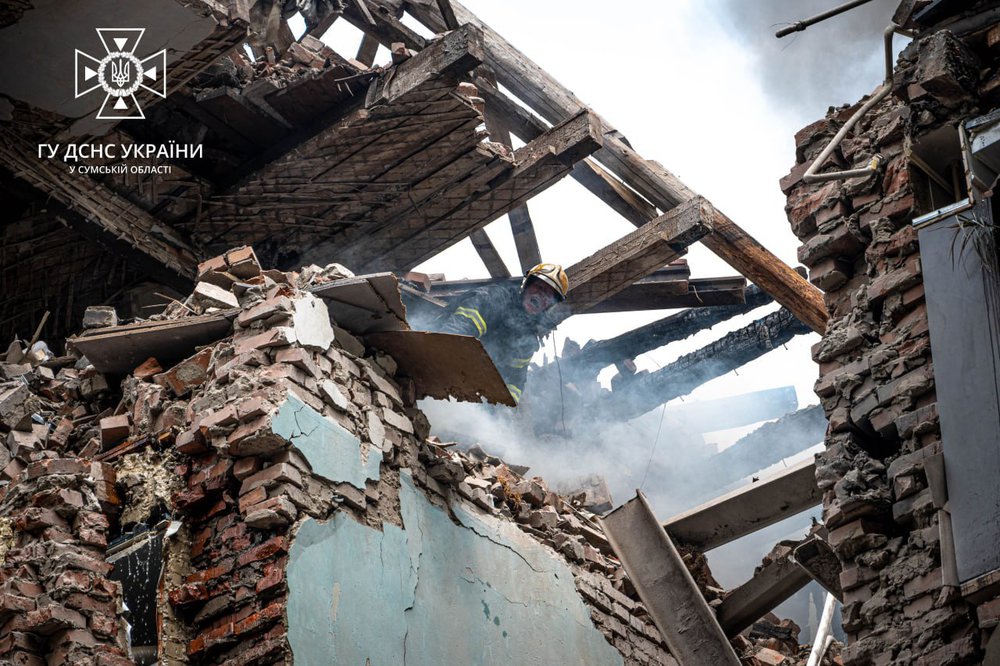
(120, 73)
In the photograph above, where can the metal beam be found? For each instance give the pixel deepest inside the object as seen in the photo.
(665, 586)
(774, 583)
(748, 509)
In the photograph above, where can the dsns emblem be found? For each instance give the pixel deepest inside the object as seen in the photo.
(121, 73)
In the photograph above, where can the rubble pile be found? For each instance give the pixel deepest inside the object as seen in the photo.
(876, 379)
(215, 447)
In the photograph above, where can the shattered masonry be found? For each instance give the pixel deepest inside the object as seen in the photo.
(280, 426)
(877, 382)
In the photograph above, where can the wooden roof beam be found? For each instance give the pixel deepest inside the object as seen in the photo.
(521, 227)
(634, 256)
(690, 371)
(488, 253)
(543, 93)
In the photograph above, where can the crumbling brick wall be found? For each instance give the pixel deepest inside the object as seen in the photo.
(876, 374)
(286, 420)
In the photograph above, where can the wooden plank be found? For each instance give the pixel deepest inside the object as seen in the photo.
(447, 289)
(747, 509)
(443, 365)
(634, 256)
(528, 253)
(121, 349)
(535, 167)
(447, 14)
(665, 295)
(765, 270)
(367, 50)
(384, 29)
(488, 253)
(665, 586)
(523, 230)
(774, 583)
(620, 197)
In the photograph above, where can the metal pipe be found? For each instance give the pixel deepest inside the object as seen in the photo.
(810, 175)
(821, 644)
(830, 13)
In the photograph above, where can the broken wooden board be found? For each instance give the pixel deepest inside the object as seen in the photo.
(365, 303)
(120, 349)
(444, 365)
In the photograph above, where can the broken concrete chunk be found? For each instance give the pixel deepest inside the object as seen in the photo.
(333, 395)
(311, 323)
(14, 407)
(376, 431)
(99, 316)
(213, 296)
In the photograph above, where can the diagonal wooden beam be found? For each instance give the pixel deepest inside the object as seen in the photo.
(765, 270)
(540, 91)
(488, 253)
(526, 126)
(521, 227)
(114, 214)
(616, 266)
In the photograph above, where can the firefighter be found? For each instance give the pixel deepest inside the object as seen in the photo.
(509, 320)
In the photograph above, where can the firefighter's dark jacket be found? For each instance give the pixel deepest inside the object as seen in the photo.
(494, 314)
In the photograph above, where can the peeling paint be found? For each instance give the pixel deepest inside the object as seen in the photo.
(333, 452)
(436, 592)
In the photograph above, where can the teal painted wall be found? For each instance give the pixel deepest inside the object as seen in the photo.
(436, 593)
(333, 452)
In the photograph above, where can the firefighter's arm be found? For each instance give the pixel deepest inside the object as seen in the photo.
(469, 318)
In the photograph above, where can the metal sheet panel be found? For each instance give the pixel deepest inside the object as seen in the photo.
(963, 308)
